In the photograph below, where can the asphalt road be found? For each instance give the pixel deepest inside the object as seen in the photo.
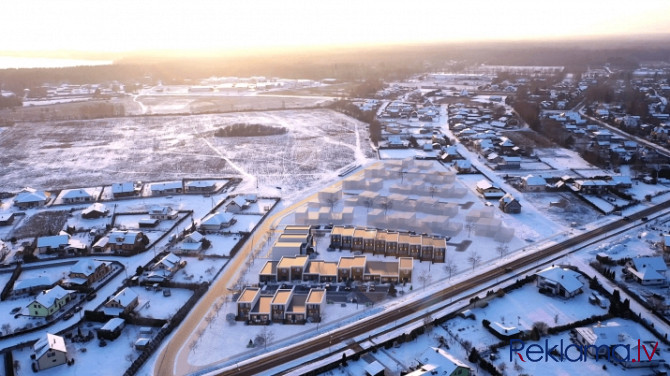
(262, 364)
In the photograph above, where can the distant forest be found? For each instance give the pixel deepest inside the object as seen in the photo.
(349, 64)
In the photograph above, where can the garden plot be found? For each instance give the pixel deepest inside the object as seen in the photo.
(317, 143)
(588, 367)
(197, 270)
(153, 304)
(221, 244)
(131, 221)
(90, 358)
(513, 310)
(245, 222)
(574, 210)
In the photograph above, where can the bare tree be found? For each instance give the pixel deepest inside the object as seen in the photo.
(386, 205)
(425, 278)
(369, 203)
(332, 201)
(428, 323)
(264, 337)
(432, 189)
(502, 249)
(450, 266)
(474, 259)
(193, 345)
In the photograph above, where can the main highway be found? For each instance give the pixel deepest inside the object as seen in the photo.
(276, 359)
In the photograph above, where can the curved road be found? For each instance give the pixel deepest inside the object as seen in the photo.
(264, 363)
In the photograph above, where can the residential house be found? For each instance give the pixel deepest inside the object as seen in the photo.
(200, 186)
(50, 351)
(126, 241)
(43, 282)
(618, 344)
(96, 210)
(216, 221)
(509, 204)
(533, 183)
(51, 244)
(321, 272)
(261, 311)
(31, 198)
(509, 163)
(279, 304)
(648, 270)
(162, 212)
(268, 273)
(435, 361)
(168, 265)
(315, 304)
(237, 204)
(562, 282)
(49, 302)
(167, 188)
(192, 242)
(489, 190)
(127, 189)
(76, 196)
(351, 268)
(291, 268)
(88, 271)
(112, 329)
(6, 219)
(246, 302)
(123, 302)
(464, 166)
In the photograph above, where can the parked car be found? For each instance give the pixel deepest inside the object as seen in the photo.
(91, 297)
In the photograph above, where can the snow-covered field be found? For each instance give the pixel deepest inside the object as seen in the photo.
(317, 143)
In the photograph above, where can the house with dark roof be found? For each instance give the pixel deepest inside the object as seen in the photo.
(509, 204)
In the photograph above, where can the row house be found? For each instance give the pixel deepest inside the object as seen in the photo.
(321, 272)
(284, 306)
(351, 268)
(291, 268)
(389, 243)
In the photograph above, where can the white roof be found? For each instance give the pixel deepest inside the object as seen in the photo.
(656, 263)
(95, 207)
(169, 260)
(30, 195)
(50, 342)
(76, 193)
(567, 278)
(194, 237)
(534, 180)
(216, 219)
(122, 237)
(201, 183)
(125, 297)
(54, 241)
(374, 368)
(113, 324)
(43, 280)
(86, 266)
(126, 187)
(441, 360)
(239, 201)
(48, 297)
(165, 186)
(504, 330)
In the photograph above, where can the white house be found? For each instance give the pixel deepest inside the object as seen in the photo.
(533, 183)
(50, 351)
(192, 242)
(562, 282)
(76, 196)
(237, 204)
(216, 221)
(648, 270)
(30, 198)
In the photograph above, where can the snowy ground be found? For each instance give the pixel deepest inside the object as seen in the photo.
(318, 142)
(153, 304)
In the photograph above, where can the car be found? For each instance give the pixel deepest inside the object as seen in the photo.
(68, 315)
(626, 218)
(15, 310)
(77, 308)
(644, 219)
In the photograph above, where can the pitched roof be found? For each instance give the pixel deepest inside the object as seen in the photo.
(568, 278)
(48, 297)
(125, 297)
(534, 180)
(123, 237)
(86, 266)
(76, 193)
(217, 219)
(54, 241)
(30, 195)
(50, 342)
(127, 187)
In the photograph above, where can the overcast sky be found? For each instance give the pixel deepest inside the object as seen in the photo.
(136, 25)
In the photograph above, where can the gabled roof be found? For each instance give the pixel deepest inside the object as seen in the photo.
(125, 297)
(127, 187)
(170, 260)
(50, 342)
(217, 219)
(656, 263)
(533, 180)
(165, 186)
(30, 195)
(239, 201)
(194, 237)
(123, 237)
(49, 297)
(54, 241)
(86, 266)
(567, 278)
(96, 207)
(443, 362)
(76, 193)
